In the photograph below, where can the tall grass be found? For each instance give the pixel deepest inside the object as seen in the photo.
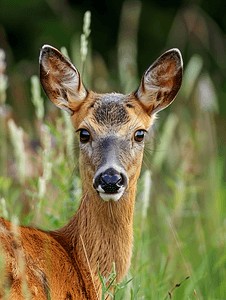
(179, 221)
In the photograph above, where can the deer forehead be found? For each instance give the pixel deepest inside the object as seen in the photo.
(112, 113)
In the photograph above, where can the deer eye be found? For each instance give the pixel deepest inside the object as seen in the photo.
(84, 136)
(139, 135)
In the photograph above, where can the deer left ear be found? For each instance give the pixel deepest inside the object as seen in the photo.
(161, 82)
(60, 80)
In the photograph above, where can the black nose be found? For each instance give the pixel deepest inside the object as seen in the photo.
(110, 181)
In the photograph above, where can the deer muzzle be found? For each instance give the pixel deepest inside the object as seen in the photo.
(110, 183)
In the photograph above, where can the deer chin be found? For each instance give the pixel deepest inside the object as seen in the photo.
(111, 196)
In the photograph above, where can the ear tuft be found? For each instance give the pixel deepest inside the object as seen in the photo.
(161, 82)
(61, 81)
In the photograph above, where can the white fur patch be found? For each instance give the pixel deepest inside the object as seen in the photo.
(114, 197)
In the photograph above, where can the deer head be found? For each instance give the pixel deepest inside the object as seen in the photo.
(111, 127)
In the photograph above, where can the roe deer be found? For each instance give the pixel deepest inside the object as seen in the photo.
(63, 264)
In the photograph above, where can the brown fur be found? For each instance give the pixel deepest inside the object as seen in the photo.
(63, 264)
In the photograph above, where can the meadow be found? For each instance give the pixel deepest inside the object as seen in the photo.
(180, 215)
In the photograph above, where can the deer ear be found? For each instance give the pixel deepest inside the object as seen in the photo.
(161, 82)
(60, 80)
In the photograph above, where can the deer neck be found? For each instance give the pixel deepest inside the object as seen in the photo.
(102, 233)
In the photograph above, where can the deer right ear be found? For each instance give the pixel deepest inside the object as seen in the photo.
(60, 80)
(161, 82)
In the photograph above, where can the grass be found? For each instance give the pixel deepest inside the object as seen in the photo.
(179, 229)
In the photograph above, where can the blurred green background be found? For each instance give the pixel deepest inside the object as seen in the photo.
(180, 227)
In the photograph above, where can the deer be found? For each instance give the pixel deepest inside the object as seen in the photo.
(112, 129)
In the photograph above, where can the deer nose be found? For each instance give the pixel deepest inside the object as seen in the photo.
(110, 181)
